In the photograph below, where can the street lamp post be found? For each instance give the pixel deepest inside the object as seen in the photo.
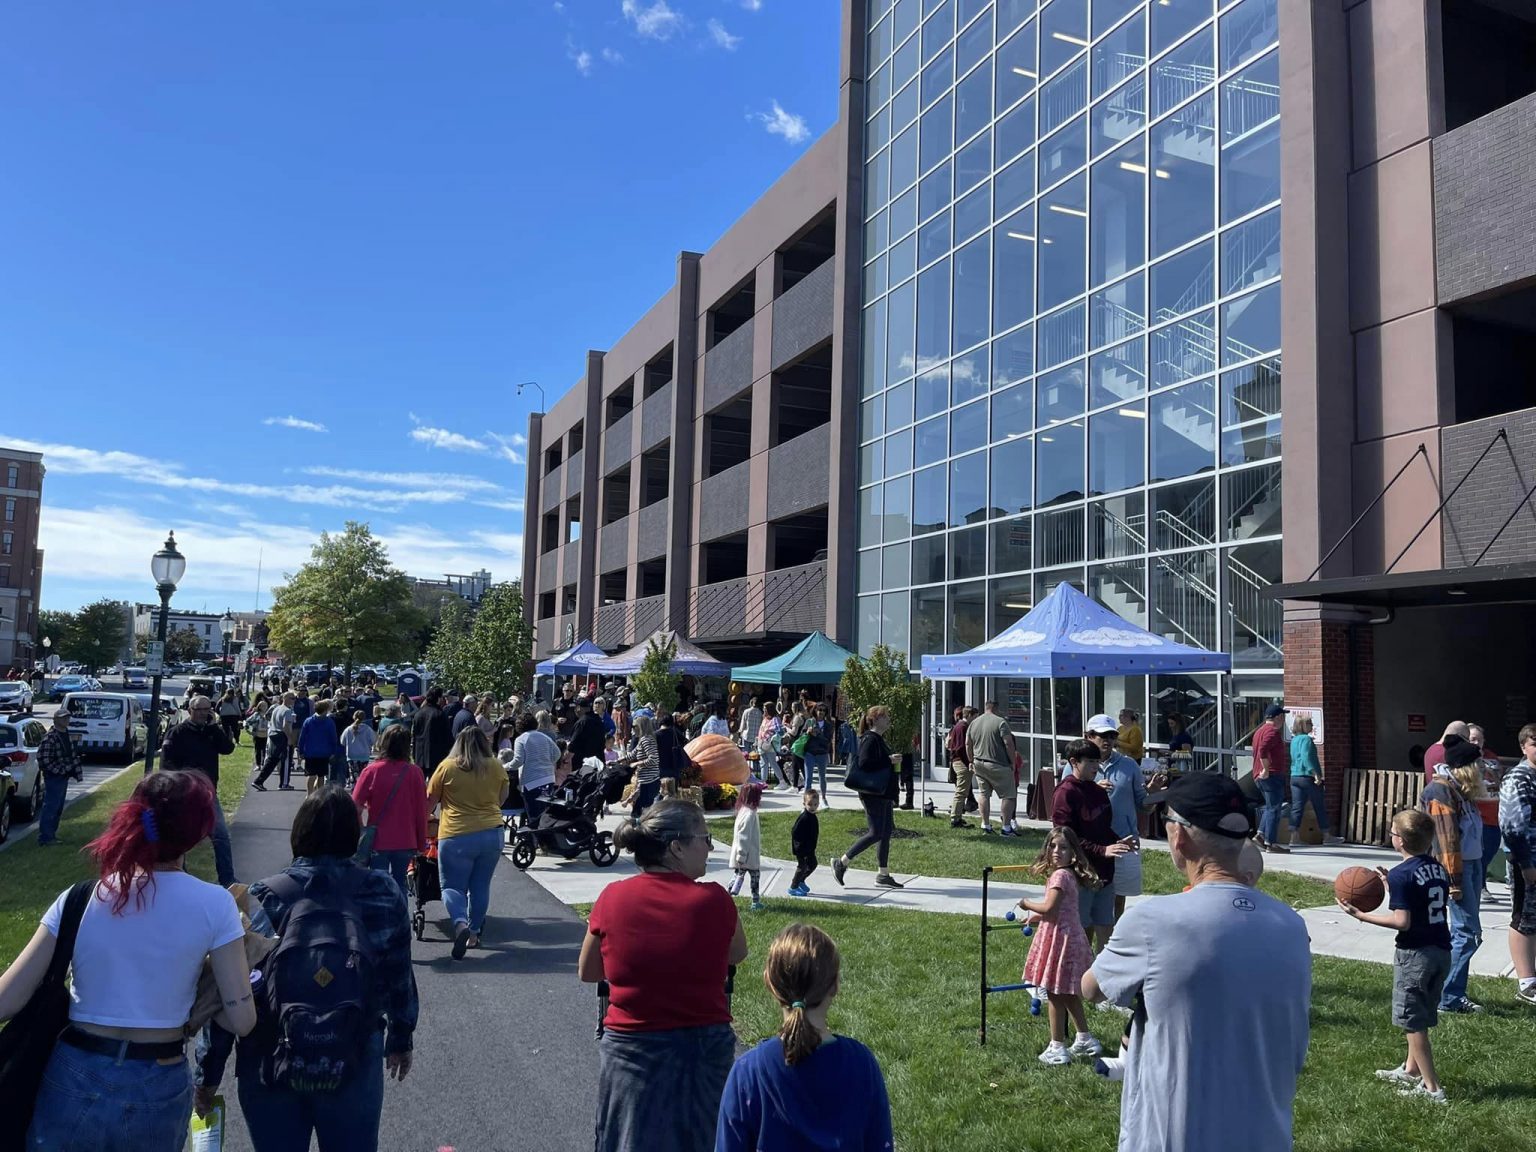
(533, 384)
(167, 566)
(227, 626)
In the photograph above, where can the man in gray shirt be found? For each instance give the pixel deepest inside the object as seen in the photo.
(990, 747)
(1219, 978)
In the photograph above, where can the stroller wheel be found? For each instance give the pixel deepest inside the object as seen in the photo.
(523, 852)
(419, 922)
(602, 852)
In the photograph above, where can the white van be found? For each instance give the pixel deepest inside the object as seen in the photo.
(107, 724)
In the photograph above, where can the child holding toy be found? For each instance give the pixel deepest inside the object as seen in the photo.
(1060, 953)
(747, 841)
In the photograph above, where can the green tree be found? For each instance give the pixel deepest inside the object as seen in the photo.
(56, 626)
(97, 635)
(181, 644)
(500, 643)
(347, 604)
(656, 684)
(448, 654)
(884, 678)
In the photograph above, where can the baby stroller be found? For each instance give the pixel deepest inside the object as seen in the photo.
(423, 883)
(568, 825)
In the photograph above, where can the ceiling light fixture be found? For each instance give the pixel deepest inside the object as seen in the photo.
(1065, 211)
(1133, 413)
(1130, 167)
(1160, 173)
(1020, 236)
(1026, 73)
(1081, 43)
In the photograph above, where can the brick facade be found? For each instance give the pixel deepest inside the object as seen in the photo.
(1317, 671)
(1483, 504)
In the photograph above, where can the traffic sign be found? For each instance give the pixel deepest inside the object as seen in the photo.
(154, 658)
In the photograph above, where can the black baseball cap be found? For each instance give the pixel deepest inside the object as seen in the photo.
(1462, 753)
(1212, 802)
(1272, 711)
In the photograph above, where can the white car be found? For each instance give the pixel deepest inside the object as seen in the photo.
(19, 741)
(15, 696)
(108, 723)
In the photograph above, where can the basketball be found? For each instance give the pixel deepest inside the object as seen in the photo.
(1360, 887)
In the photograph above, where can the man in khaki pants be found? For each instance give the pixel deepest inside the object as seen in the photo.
(960, 766)
(990, 748)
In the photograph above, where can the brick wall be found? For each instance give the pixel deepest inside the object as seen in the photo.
(1485, 216)
(1485, 501)
(1317, 671)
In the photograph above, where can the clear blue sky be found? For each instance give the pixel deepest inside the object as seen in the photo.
(373, 216)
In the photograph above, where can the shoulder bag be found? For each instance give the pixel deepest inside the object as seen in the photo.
(868, 779)
(370, 833)
(27, 1041)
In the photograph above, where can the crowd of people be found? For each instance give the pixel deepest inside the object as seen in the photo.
(306, 977)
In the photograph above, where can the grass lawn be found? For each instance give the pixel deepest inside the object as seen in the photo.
(936, 849)
(31, 877)
(910, 993)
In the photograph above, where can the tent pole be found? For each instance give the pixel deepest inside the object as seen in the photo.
(1055, 757)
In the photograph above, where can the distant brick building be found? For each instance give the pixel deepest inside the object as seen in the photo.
(21, 561)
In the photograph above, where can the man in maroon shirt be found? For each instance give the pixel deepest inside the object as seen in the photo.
(1271, 773)
(1082, 804)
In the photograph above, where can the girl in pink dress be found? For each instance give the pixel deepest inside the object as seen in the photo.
(1060, 954)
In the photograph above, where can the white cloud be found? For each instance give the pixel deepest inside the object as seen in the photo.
(559, 7)
(102, 550)
(1111, 637)
(444, 439)
(781, 123)
(69, 459)
(583, 62)
(455, 481)
(657, 21)
(507, 446)
(752, 5)
(612, 56)
(295, 422)
(721, 37)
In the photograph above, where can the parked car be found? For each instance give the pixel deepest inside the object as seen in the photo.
(64, 685)
(107, 722)
(7, 791)
(15, 696)
(19, 742)
(135, 678)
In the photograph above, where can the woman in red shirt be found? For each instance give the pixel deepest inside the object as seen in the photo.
(401, 819)
(665, 944)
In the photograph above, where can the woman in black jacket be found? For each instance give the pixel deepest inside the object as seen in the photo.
(874, 763)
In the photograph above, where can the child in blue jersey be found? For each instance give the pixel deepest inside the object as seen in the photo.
(1418, 891)
(806, 1087)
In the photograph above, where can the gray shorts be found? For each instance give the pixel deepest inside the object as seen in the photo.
(1418, 976)
(1127, 881)
(1096, 906)
(996, 778)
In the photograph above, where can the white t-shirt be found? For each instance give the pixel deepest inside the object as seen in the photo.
(139, 969)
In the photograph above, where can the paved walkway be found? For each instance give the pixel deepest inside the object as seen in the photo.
(1332, 933)
(500, 1063)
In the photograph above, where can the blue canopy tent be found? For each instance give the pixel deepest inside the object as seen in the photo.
(690, 659)
(815, 660)
(1069, 634)
(571, 662)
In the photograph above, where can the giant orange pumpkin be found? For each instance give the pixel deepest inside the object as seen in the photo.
(719, 759)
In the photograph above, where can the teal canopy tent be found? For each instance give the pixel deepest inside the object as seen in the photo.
(815, 660)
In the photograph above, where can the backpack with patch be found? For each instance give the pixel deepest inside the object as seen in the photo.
(315, 996)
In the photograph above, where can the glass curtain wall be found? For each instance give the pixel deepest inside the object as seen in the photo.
(1071, 365)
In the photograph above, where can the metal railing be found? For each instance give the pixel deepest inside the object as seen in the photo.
(789, 599)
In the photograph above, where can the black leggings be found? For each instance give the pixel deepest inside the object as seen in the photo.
(882, 822)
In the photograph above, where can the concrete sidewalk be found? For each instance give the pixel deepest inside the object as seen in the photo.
(1332, 933)
(504, 1055)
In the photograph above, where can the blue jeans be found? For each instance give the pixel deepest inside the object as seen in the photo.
(1304, 792)
(816, 762)
(223, 855)
(1492, 841)
(103, 1104)
(1272, 788)
(394, 861)
(1466, 931)
(346, 1120)
(467, 863)
(55, 789)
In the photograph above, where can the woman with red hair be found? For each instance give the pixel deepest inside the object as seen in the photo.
(118, 1078)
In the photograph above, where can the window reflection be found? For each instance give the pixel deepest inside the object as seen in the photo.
(1183, 431)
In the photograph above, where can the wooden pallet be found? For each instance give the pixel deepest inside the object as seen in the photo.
(1372, 796)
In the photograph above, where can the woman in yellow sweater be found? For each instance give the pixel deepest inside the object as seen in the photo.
(469, 786)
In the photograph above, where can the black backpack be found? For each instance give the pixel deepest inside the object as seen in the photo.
(315, 999)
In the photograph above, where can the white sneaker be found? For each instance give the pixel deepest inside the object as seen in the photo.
(1398, 1075)
(1056, 1054)
(1086, 1044)
(1333, 841)
(1419, 1092)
